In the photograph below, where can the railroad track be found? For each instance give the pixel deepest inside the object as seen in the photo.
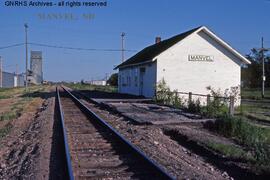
(94, 150)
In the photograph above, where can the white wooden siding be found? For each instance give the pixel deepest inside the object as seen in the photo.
(180, 74)
(129, 80)
(194, 76)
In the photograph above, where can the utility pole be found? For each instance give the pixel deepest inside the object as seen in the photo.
(17, 77)
(262, 50)
(122, 49)
(1, 73)
(17, 70)
(263, 70)
(106, 78)
(26, 56)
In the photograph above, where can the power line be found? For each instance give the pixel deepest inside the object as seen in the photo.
(80, 49)
(66, 47)
(13, 45)
(10, 65)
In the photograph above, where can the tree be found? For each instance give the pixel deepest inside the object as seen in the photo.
(113, 80)
(82, 81)
(252, 73)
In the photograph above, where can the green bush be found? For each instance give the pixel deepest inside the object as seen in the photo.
(217, 105)
(164, 94)
(194, 107)
(214, 109)
(253, 137)
(176, 100)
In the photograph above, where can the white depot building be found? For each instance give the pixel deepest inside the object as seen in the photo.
(188, 62)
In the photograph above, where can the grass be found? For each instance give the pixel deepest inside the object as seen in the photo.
(254, 138)
(8, 116)
(90, 87)
(5, 130)
(240, 129)
(257, 110)
(230, 151)
(257, 117)
(16, 109)
(10, 92)
(4, 97)
(6, 93)
(254, 93)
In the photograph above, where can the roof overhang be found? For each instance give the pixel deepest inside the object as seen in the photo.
(136, 64)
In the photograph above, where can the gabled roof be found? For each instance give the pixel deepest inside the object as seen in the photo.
(149, 53)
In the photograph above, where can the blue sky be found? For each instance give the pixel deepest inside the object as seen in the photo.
(241, 23)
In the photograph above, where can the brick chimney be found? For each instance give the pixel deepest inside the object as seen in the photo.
(158, 40)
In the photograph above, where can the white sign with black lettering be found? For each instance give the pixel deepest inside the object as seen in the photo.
(200, 58)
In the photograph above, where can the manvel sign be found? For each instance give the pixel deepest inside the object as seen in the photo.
(200, 58)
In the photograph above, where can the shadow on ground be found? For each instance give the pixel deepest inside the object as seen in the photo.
(108, 95)
(43, 95)
(226, 164)
(58, 168)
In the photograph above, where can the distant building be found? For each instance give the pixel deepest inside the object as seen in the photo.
(36, 73)
(188, 62)
(97, 82)
(19, 80)
(10, 80)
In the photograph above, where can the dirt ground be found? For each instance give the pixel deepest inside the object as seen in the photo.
(20, 145)
(5, 104)
(30, 148)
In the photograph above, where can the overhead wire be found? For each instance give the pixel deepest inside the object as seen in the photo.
(67, 47)
(13, 45)
(78, 48)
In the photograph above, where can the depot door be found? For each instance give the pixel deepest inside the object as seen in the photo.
(142, 74)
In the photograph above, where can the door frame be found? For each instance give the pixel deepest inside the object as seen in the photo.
(141, 80)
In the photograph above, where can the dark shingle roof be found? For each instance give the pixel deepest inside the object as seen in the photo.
(152, 51)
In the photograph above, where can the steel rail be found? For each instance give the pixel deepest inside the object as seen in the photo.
(67, 152)
(159, 170)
